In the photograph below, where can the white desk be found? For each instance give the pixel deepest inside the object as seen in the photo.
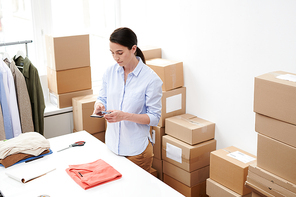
(134, 182)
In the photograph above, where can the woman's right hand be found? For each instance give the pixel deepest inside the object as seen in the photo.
(98, 107)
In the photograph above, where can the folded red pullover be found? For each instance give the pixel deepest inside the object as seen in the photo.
(93, 174)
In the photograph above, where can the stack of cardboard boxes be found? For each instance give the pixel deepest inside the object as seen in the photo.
(68, 69)
(173, 98)
(274, 105)
(183, 142)
(228, 172)
(186, 153)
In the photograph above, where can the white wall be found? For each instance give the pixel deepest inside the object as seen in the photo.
(223, 46)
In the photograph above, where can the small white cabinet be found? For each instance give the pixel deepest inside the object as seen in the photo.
(58, 122)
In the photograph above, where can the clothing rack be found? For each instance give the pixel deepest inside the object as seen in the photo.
(18, 42)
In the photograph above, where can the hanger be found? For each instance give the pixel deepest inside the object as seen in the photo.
(20, 53)
(5, 56)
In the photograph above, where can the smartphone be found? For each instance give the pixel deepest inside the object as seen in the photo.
(100, 114)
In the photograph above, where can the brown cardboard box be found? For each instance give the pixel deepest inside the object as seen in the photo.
(65, 100)
(173, 103)
(276, 97)
(157, 165)
(185, 156)
(72, 80)
(257, 191)
(198, 190)
(170, 72)
(189, 128)
(100, 136)
(157, 133)
(190, 179)
(268, 181)
(151, 52)
(83, 107)
(68, 52)
(276, 129)
(229, 167)
(153, 172)
(277, 157)
(215, 189)
(254, 194)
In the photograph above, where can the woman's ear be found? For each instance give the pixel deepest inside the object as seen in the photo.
(134, 48)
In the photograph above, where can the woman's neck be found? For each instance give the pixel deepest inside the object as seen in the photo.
(133, 64)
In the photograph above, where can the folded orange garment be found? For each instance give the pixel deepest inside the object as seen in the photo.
(93, 174)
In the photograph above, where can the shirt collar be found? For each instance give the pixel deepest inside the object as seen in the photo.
(26, 65)
(138, 68)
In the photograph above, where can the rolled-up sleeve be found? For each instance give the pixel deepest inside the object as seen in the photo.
(153, 101)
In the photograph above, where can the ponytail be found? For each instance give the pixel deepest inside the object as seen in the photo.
(140, 54)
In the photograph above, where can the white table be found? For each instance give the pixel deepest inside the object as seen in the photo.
(134, 182)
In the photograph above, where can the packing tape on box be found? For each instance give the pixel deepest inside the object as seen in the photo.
(175, 153)
(286, 76)
(204, 127)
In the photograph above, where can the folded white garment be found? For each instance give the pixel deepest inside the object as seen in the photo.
(29, 143)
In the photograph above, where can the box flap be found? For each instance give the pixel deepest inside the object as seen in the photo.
(271, 178)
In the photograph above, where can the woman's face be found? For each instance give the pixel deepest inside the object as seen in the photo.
(121, 54)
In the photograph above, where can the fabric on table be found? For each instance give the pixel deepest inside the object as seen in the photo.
(30, 143)
(12, 159)
(93, 174)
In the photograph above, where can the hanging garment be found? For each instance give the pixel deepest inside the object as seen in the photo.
(33, 83)
(5, 109)
(2, 131)
(93, 174)
(23, 99)
(11, 100)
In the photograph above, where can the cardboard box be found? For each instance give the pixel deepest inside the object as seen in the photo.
(169, 71)
(215, 189)
(68, 52)
(189, 128)
(190, 179)
(153, 172)
(83, 107)
(65, 100)
(229, 167)
(253, 194)
(157, 165)
(257, 191)
(151, 52)
(270, 182)
(173, 104)
(198, 190)
(157, 133)
(72, 80)
(277, 157)
(275, 96)
(100, 136)
(276, 129)
(185, 156)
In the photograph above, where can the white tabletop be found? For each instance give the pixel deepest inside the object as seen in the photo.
(134, 182)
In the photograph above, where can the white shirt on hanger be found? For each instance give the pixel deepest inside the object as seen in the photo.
(11, 98)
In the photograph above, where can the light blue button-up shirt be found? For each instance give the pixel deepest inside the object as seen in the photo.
(141, 94)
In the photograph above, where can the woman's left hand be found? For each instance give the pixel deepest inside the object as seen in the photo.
(114, 116)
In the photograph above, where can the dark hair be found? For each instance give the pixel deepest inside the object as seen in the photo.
(126, 37)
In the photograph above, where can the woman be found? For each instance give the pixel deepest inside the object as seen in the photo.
(132, 92)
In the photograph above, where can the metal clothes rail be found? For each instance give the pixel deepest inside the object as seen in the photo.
(18, 42)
